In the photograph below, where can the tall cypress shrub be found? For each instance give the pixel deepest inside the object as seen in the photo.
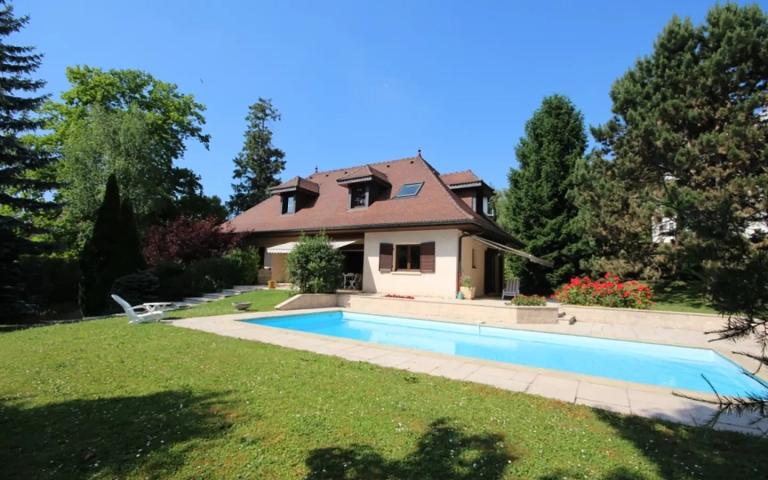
(113, 250)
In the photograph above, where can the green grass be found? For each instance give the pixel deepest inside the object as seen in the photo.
(263, 300)
(686, 298)
(101, 399)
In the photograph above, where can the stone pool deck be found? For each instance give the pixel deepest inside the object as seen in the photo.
(597, 392)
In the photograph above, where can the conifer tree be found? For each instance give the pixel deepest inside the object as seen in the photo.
(20, 189)
(536, 208)
(112, 251)
(689, 132)
(259, 163)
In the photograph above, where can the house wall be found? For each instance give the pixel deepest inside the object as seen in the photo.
(276, 261)
(477, 273)
(442, 283)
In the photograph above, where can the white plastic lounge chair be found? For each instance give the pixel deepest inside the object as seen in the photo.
(512, 289)
(136, 317)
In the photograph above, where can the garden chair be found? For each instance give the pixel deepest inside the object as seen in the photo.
(512, 289)
(136, 317)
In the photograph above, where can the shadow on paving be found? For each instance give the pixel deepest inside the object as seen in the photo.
(109, 437)
(681, 451)
(444, 452)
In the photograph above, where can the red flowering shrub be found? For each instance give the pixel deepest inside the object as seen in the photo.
(187, 240)
(526, 301)
(606, 292)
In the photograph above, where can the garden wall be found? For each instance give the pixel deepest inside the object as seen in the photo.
(468, 312)
(303, 301)
(701, 322)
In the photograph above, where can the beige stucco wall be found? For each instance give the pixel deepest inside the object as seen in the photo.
(442, 283)
(701, 322)
(305, 301)
(477, 273)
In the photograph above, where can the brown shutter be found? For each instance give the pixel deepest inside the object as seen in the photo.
(428, 257)
(385, 257)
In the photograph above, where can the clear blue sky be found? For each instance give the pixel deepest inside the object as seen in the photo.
(360, 81)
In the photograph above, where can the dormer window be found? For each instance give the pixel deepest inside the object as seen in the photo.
(289, 204)
(487, 210)
(364, 185)
(358, 196)
(295, 194)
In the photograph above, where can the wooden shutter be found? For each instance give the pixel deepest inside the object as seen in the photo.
(428, 257)
(385, 257)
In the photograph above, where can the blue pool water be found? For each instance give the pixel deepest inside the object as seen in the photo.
(667, 366)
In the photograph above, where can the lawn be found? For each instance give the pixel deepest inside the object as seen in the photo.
(686, 298)
(263, 300)
(101, 399)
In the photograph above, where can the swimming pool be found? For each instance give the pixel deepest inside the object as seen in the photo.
(667, 366)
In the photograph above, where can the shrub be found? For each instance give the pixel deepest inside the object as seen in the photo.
(214, 274)
(188, 240)
(111, 251)
(466, 281)
(314, 265)
(136, 288)
(609, 292)
(247, 261)
(54, 278)
(526, 301)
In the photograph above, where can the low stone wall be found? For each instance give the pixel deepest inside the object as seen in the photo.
(701, 322)
(304, 301)
(466, 311)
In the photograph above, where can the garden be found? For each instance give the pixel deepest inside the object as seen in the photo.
(156, 401)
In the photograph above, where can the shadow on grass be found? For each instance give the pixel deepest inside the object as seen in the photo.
(681, 451)
(110, 437)
(444, 452)
(621, 473)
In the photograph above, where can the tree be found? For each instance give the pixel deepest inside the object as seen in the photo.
(690, 132)
(257, 165)
(112, 142)
(129, 123)
(314, 265)
(21, 192)
(188, 240)
(535, 207)
(112, 251)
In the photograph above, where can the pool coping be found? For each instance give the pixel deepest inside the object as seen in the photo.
(599, 392)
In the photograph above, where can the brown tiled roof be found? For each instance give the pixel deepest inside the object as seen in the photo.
(298, 182)
(363, 172)
(458, 178)
(435, 204)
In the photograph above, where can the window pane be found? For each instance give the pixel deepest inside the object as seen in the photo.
(402, 257)
(358, 196)
(415, 257)
(409, 190)
(291, 208)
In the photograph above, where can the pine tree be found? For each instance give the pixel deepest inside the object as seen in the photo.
(689, 132)
(258, 164)
(20, 189)
(112, 251)
(536, 208)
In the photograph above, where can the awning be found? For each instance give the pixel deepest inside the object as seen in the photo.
(511, 250)
(287, 247)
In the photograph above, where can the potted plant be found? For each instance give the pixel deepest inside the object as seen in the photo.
(467, 289)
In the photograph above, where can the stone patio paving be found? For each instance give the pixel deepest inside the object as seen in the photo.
(597, 392)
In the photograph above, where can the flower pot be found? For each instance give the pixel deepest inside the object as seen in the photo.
(468, 292)
(242, 305)
(271, 284)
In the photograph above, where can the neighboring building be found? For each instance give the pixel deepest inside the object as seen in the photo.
(665, 229)
(403, 227)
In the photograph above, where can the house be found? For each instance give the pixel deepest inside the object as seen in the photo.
(403, 227)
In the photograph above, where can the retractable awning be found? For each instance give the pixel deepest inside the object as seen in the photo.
(504, 248)
(287, 247)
